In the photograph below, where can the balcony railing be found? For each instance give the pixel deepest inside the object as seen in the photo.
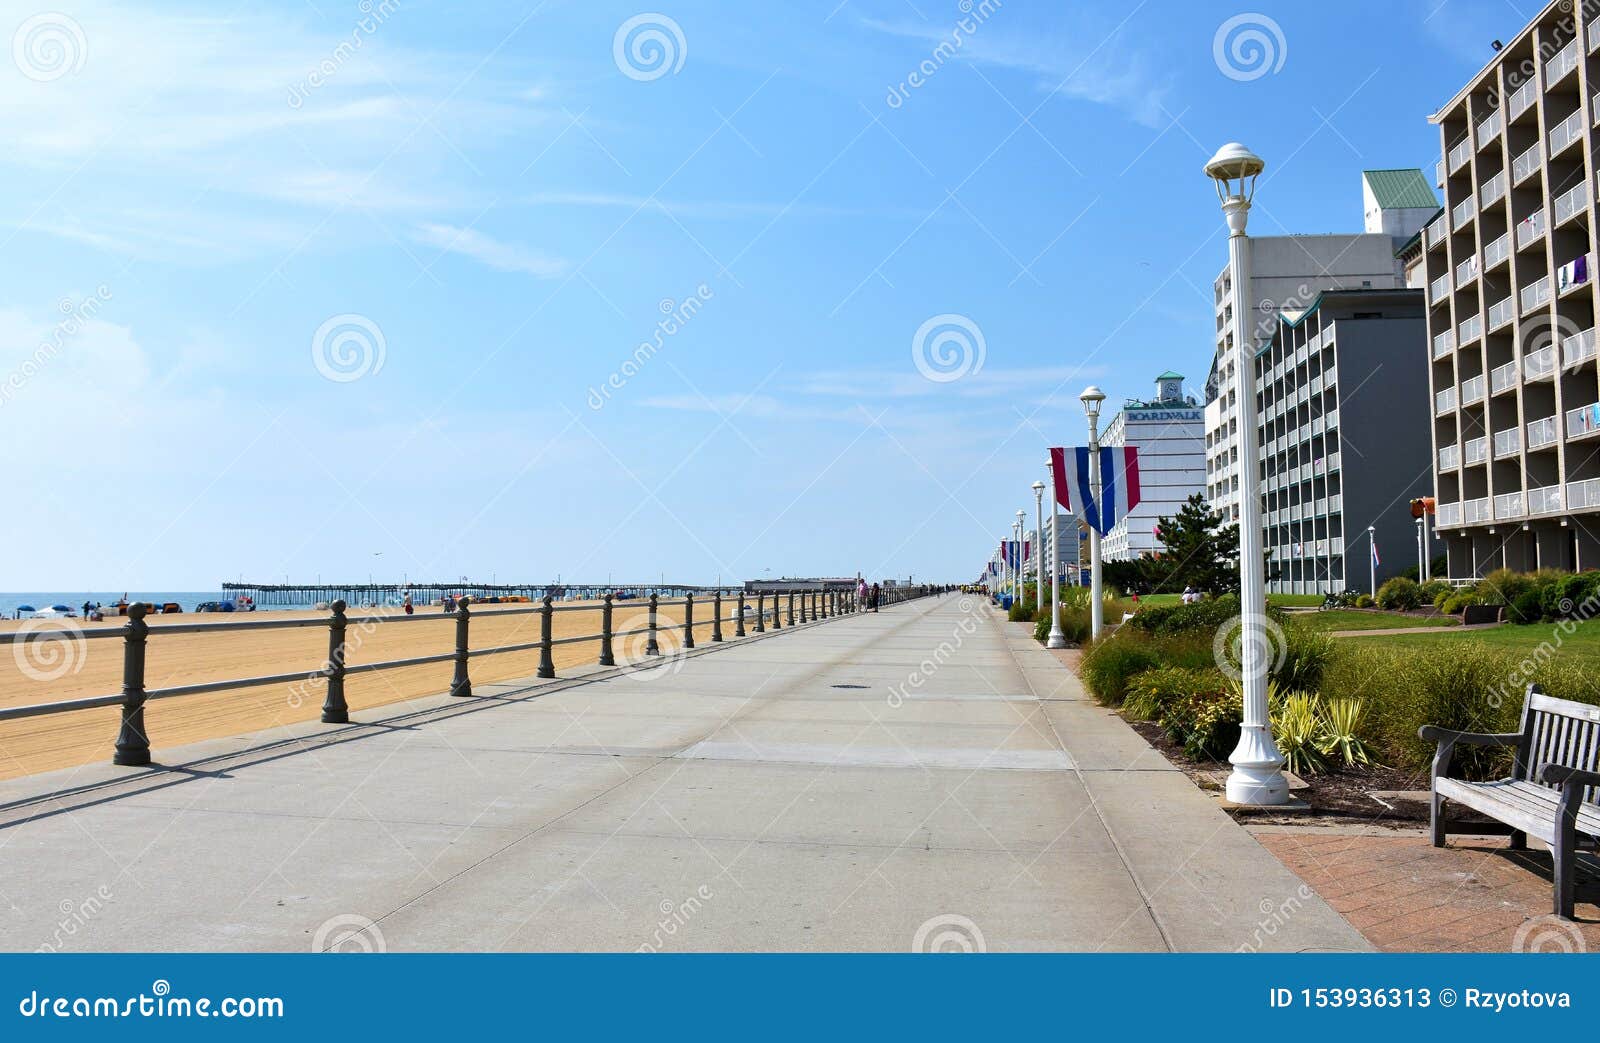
(1572, 202)
(1522, 97)
(1530, 228)
(1503, 378)
(1559, 67)
(1443, 343)
(1535, 295)
(1470, 330)
(1585, 494)
(1508, 505)
(1472, 390)
(1539, 365)
(1575, 273)
(1461, 213)
(1507, 443)
(1565, 133)
(1525, 164)
(1450, 458)
(1476, 511)
(1544, 499)
(1495, 253)
(1543, 432)
(1500, 313)
(1578, 348)
(1493, 191)
(1460, 152)
(1444, 401)
(1594, 35)
(1584, 421)
(1449, 514)
(1438, 288)
(1435, 231)
(1438, 173)
(1488, 130)
(1466, 271)
(1476, 450)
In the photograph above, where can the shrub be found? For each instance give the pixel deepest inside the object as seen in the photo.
(1364, 601)
(1206, 615)
(1503, 587)
(1529, 607)
(1305, 656)
(1076, 623)
(1205, 722)
(1442, 598)
(1108, 665)
(1432, 589)
(1152, 693)
(1297, 726)
(1343, 723)
(1457, 603)
(1022, 611)
(1399, 594)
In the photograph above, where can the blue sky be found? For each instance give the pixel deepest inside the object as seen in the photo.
(472, 215)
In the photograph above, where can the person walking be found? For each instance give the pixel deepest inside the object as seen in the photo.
(407, 605)
(877, 592)
(861, 594)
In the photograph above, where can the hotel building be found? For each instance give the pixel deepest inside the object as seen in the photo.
(1515, 403)
(1169, 432)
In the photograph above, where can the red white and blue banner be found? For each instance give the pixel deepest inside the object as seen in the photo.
(1119, 484)
(1014, 553)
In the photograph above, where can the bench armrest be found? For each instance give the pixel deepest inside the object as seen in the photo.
(1561, 775)
(1434, 733)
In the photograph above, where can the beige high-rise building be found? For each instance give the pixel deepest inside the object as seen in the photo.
(1509, 265)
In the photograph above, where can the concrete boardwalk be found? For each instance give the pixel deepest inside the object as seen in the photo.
(840, 786)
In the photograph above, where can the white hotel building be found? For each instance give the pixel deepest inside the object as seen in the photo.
(1169, 432)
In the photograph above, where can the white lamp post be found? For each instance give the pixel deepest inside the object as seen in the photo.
(1091, 399)
(1372, 561)
(1257, 777)
(1038, 552)
(1020, 528)
(1057, 639)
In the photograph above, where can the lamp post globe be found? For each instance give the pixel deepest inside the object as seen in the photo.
(1257, 777)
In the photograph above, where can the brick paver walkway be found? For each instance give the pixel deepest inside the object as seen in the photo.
(1406, 895)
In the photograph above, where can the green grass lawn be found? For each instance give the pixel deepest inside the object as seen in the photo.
(1352, 619)
(1577, 641)
(1295, 600)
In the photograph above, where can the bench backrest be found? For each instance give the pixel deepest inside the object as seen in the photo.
(1557, 731)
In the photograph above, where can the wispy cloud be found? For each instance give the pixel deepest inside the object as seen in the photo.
(505, 257)
(985, 383)
(714, 209)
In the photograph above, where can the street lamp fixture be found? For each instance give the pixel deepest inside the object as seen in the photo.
(1257, 778)
(1038, 552)
(1057, 639)
(1092, 398)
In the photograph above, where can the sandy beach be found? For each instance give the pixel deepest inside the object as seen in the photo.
(64, 740)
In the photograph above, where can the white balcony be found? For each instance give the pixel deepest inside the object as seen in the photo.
(1461, 213)
(1488, 131)
(1438, 173)
(1508, 505)
(1495, 254)
(1459, 153)
(1443, 344)
(1450, 458)
(1583, 422)
(1444, 401)
(1503, 378)
(1578, 348)
(1330, 463)
(1562, 65)
(1525, 165)
(1439, 289)
(1572, 202)
(1466, 271)
(1530, 228)
(1449, 514)
(1500, 313)
(1476, 450)
(1470, 330)
(1507, 443)
(1472, 390)
(1330, 420)
(1478, 510)
(1594, 35)
(1575, 273)
(1536, 295)
(1544, 499)
(1522, 97)
(1543, 432)
(1493, 191)
(1585, 494)
(1434, 233)
(1566, 133)
(1539, 365)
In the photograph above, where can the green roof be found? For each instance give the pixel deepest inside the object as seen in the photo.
(1401, 189)
(1169, 375)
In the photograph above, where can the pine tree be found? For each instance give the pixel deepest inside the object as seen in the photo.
(1202, 550)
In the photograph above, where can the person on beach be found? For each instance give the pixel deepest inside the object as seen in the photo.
(448, 603)
(406, 604)
(861, 594)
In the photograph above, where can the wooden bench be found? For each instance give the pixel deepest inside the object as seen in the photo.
(1551, 792)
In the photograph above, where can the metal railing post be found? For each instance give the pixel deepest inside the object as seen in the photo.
(738, 626)
(777, 612)
(133, 745)
(547, 663)
(607, 658)
(716, 616)
(791, 608)
(651, 646)
(761, 611)
(334, 708)
(461, 684)
(688, 620)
